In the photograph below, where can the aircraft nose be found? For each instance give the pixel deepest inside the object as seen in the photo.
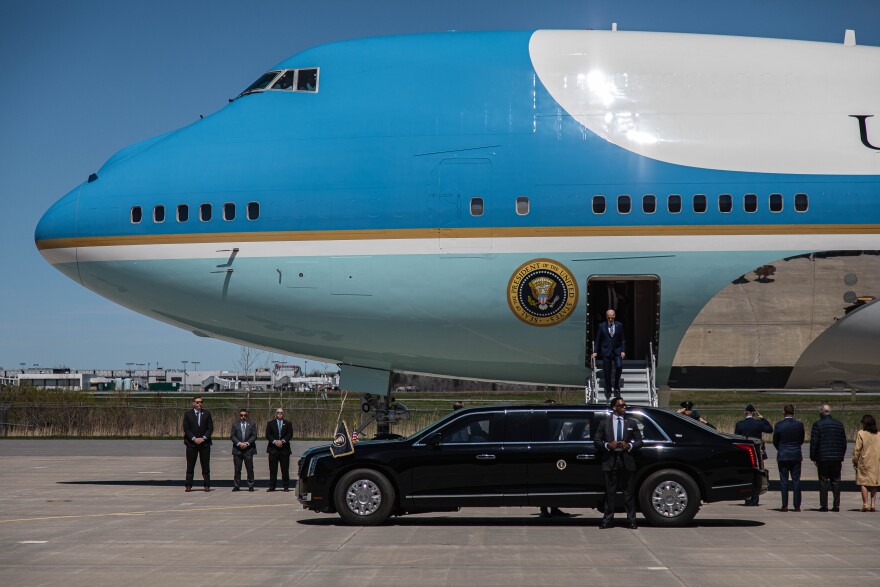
(55, 233)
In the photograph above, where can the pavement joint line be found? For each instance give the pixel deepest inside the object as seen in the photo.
(641, 538)
(144, 513)
(327, 555)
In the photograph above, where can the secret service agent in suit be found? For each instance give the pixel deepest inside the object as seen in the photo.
(197, 430)
(244, 447)
(788, 436)
(279, 432)
(827, 449)
(609, 344)
(754, 426)
(617, 438)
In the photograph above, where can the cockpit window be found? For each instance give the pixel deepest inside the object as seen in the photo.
(307, 80)
(262, 83)
(285, 82)
(291, 80)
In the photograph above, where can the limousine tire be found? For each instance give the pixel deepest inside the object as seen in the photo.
(669, 498)
(364, 497)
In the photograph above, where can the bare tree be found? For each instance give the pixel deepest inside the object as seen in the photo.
(247, 361)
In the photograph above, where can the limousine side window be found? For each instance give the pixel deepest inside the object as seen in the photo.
(646, 427)
(471, 429)
(518, 426)
(565, 427)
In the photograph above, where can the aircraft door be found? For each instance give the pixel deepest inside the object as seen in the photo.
(636, 301)
(460, 206)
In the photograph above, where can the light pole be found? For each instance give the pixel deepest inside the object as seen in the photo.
(196, 370)
(184, 374)
(129, 369)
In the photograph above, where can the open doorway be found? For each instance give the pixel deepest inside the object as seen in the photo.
(636, 301)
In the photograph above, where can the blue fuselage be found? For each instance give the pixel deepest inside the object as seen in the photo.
(366, 250)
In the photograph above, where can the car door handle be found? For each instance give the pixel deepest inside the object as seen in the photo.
(485, 457)
(586, 457)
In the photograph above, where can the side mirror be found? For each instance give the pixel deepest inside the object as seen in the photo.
(433, 440)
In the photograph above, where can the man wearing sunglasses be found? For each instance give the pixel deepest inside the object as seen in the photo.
(244, 447)
(279, 432)
(197, 430)
(617, 438)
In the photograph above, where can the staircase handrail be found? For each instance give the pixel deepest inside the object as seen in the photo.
(652, 375)
(594, 382)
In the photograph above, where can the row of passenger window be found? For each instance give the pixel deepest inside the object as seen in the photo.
(674, 204)
(206, 212)
(699, 204)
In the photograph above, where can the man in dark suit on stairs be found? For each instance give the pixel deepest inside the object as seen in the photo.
(609, 345)
(197, 430)
(617, 438)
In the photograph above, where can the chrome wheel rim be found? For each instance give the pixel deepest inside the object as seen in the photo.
(363, 497)
(669, 499)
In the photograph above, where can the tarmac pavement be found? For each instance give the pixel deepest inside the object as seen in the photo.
(113, 512)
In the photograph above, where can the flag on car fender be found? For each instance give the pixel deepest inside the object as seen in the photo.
(341, 445)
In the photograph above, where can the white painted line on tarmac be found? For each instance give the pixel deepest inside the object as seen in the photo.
(150, 472)
(33, 541)
(658, 568)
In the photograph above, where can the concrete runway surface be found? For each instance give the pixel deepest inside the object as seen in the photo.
(113, 512)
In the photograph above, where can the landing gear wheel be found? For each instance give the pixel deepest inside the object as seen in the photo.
(669, 498)
(364, 497)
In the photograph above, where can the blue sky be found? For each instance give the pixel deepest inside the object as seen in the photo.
(83, 79)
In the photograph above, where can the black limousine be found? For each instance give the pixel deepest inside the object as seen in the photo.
(530, 456)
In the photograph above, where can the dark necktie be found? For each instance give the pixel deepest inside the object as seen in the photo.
(279, 429)
(198, 418)
(619, 428)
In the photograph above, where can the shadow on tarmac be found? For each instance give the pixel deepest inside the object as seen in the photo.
(813, 485)
(197, 483)
(333, 520)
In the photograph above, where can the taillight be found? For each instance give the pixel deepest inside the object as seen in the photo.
(750, 448)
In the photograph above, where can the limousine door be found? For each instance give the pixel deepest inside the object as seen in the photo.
(466, 466)
(564, 467)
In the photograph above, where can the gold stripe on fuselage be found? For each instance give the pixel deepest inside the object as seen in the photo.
(424, 233)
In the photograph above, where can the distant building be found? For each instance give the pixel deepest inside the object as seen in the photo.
(56, 380)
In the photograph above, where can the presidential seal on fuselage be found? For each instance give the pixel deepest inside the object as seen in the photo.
(542, 292)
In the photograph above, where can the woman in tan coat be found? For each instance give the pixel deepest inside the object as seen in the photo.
(866, 460)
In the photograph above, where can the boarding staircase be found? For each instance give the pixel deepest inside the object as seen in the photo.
(638, 381)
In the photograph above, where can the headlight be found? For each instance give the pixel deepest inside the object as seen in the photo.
(314, 463)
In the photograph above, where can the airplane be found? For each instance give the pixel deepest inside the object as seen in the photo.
(470, 204)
